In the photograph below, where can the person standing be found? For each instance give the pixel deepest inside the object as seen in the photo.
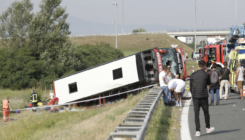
(225, 72)
(51, 95)
(5, 105)
(178, 86)
(214, 85)
(186, 55)
(192, 55)
(33, 98)
(239, 79)
(163, 85)
(198, 86)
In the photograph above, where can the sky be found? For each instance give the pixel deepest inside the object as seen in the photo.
(97, 16)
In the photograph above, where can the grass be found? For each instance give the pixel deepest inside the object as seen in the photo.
(95, 124)
(189, 65)
(164, 124)
(20, 98)
(130, 44)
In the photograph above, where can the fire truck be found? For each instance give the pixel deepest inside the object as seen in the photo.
(215, 54)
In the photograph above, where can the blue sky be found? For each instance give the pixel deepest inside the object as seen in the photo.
(151, 14)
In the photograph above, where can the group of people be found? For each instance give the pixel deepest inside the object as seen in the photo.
(201, 82)
(33, 102)
(169, 86)
(221, 79)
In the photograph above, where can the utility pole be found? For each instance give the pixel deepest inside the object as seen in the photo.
(123, 16)
(202, 28)
(114, 3)
(195, 28)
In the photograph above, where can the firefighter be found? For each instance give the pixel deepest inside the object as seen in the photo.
(6, 106)
(54, 101)
(33, 98)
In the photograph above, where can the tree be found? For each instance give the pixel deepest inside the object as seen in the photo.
(14, 23)
(48, 38)
(139, 30)
(49, 29)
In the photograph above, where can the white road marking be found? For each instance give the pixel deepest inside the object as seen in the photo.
(184, 130)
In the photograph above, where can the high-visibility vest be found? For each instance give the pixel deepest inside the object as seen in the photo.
(33, 98)
(5, 104)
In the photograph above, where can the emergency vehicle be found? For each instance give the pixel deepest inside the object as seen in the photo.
(215, 54)
(235, 56)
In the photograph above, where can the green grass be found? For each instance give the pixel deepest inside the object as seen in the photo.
(68, 125)
(131, 44)
(77, 125)
(189, 65)
(20, 98)
(164, 124)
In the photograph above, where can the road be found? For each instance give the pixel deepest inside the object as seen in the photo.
(228, 120)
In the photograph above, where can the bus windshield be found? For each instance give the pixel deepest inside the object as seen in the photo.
(170, 59)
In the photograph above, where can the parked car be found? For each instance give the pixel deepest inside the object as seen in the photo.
(196, 55)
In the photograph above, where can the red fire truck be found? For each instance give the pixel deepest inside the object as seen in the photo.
(214, 54)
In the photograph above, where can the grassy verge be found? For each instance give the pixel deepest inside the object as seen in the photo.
(20, 98)
(131, 44)
(189, 65)
(94, 124)
(164, 124)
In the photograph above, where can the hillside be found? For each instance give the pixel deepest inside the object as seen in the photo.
(130, 44)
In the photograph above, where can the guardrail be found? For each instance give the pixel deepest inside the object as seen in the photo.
(198, 30)
(135, 124)
(155, 32)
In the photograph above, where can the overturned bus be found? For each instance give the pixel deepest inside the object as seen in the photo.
(142, 67)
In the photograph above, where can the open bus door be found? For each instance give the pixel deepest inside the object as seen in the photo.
(183, 74)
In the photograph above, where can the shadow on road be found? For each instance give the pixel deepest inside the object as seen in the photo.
(222, 131)
(227, 104)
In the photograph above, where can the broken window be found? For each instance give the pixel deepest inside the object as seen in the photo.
(169, 59)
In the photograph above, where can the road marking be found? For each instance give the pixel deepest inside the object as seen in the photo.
(184, 130)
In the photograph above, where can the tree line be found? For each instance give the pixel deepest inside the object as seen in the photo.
(37, 48)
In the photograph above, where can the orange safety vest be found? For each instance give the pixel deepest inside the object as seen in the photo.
(5, 104)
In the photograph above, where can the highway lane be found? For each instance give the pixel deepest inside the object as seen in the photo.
(228, 120)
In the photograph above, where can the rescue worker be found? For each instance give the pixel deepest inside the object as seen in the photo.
(54, 101)
(33, 98)
(51, 95)
(6, 106)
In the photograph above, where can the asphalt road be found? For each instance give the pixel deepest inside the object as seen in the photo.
(228, 120)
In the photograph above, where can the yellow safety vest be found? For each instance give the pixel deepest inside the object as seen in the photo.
(33, 98)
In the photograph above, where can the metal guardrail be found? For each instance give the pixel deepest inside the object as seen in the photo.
(198, 30)
(155, 32)
(135, 124)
